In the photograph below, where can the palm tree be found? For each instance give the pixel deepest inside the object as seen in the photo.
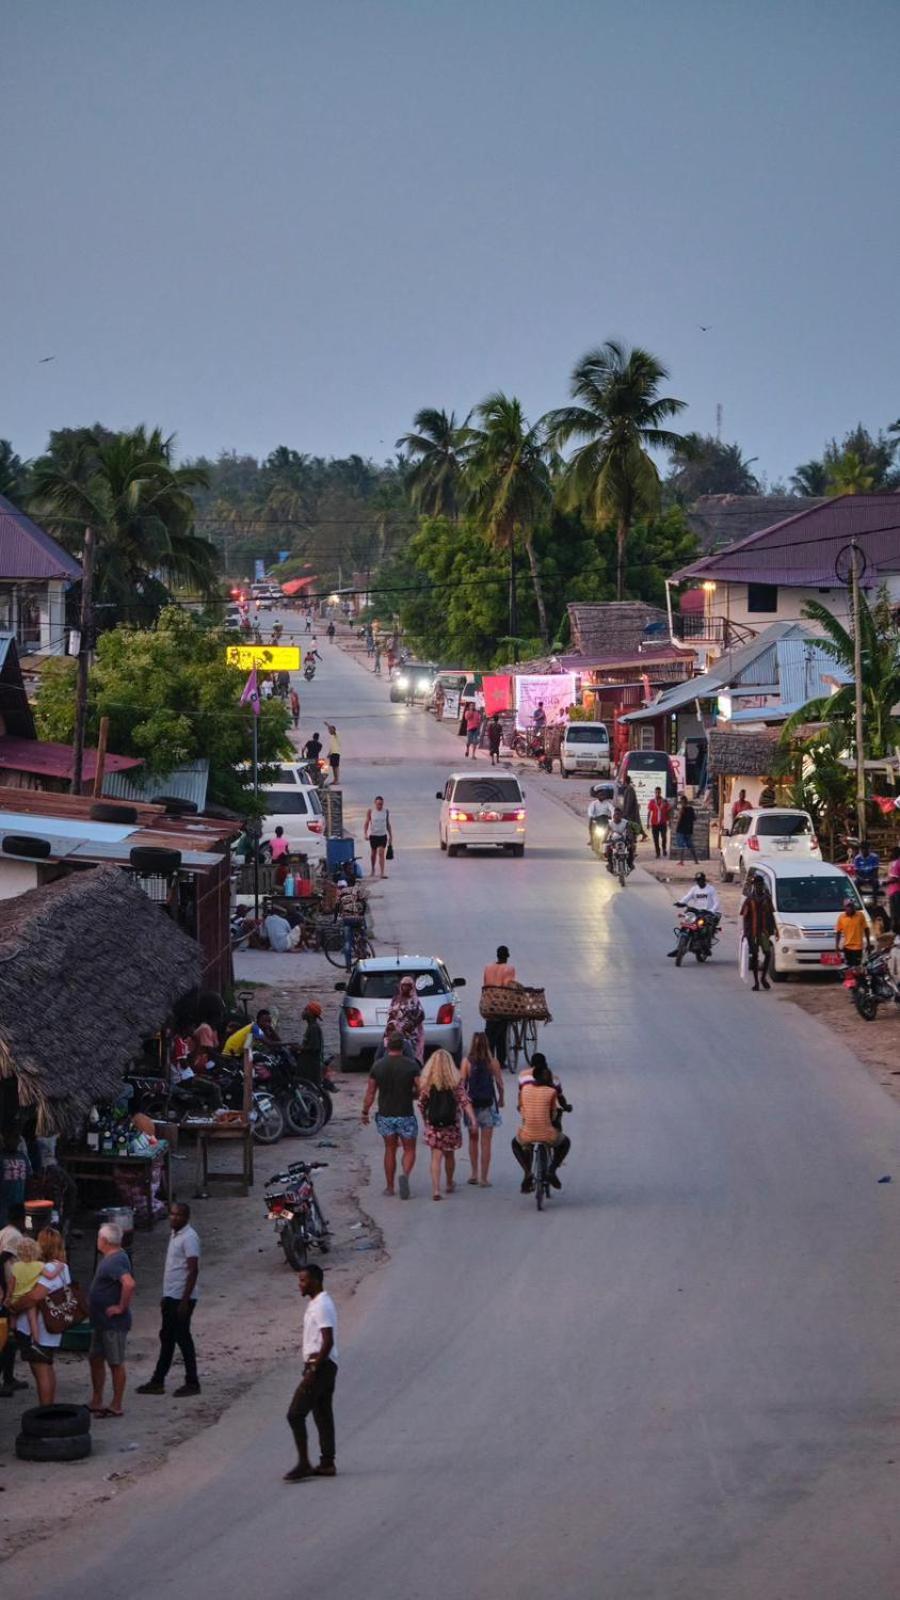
(619, 414)
(880, 650)
(510, 486)
(139, 505)
(811, 478)
(439, 450)
(851, 475)
(702, 464)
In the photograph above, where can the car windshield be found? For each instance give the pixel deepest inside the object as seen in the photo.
(487, 791)
(647, 761)
(576, 734)
(282, 802)
(382, 985)
(814, 893)
(783, 827)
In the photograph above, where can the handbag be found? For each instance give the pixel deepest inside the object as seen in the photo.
(64, 1308)
(389, 852)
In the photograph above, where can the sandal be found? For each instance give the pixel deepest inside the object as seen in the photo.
(435, 1197)
(471, 1180)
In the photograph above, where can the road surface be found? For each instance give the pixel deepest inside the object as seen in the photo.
(679, 1381)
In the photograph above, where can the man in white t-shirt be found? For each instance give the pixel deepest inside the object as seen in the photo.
(179, 1297)
(315, 1391)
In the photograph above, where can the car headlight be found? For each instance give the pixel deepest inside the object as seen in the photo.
(423, 686)
(402, 683)
(790, 930)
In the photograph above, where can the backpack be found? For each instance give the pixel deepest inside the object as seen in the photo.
(481, 1085)
(442, 1110)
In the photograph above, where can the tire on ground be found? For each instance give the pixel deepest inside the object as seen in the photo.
(55, 1422)
(75, 1448)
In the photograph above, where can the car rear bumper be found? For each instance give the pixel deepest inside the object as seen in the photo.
(483, 834)
(366, 1041)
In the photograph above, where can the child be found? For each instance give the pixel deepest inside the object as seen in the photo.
(24, 1274)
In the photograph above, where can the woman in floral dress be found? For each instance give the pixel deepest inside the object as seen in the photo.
(443, 1101)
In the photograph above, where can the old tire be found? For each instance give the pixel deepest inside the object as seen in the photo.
(453, 849)
(74, 1448)
(153, 862)
(518, 849)
(55, 1422)
(104, 811)
(26, 844)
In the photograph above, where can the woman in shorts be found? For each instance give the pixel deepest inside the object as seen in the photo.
(482, 1079)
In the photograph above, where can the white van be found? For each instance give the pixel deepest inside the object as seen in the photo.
(808, 897)
(585, 748)
(297, 808)
(482, 812)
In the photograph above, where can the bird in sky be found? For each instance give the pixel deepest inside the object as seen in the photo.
(45, 359)
(704, 326)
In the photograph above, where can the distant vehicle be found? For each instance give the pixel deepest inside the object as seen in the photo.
(369, 991)
(233, 620)
(773, 831)
(808, 897)
(482, 812)
(585, 748)
(412, 682)
(648, 770)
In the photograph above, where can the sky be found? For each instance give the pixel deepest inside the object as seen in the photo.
(281, 222)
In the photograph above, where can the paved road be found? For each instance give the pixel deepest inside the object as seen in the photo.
(678, 1382)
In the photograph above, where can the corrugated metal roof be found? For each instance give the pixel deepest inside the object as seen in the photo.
(801, 551)
(45, 759)
(27, 552)
(754, 664)
(188, 782)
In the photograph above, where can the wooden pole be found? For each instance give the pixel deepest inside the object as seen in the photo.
(84, 655)
(858, 696)
(102, 741)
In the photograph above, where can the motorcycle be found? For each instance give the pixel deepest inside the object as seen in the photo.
(180, 1102)
(304, 1105)
(309, 671)
(869, 984)
(599, 831)
(617, 859)
(697, 931)
(292, 1207)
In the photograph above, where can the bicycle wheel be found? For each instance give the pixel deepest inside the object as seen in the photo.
(539, 1171)
(515, 1046)
(529, 1038)
(332, 944)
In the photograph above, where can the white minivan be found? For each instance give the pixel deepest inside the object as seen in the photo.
(808, 897)
(297, 808)
(482, 812)
(585, 748)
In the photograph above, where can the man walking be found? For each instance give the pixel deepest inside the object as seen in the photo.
(334, 752)
(110, 1311)
(315, 1391)
(179, 1297)
(395, 1079)
(472, 721)
(494, 737)
(630, 806)
(658, 813)
(498, 975)
(295, 708)
(684, 830)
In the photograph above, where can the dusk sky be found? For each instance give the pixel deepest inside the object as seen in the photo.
(256, 224)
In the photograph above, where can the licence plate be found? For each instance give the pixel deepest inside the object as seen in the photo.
(583, 762)
(382, 1015)
(831, 958)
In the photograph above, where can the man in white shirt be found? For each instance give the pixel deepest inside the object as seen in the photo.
(315, 1391)
(179, 1297)
(701, 896)
(600, 809)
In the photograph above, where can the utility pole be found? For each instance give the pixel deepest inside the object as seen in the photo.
(84, 656)
(513, 603)
(855, 555)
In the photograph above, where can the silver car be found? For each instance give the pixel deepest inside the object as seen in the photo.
(368, 993)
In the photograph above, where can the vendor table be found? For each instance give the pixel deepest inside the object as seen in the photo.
(81, 1163)
(213, 1132)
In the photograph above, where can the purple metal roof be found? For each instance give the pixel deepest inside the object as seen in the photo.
(802, 550)
(27, 552)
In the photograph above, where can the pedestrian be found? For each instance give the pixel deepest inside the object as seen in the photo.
(851, 934)
(34, 1339)
(378, 831)
(394, 1079)
(482, 1079)
(315, 1391)
(498, 975)
(110, 1310)
(494, 738)
(740, 804)
(630, 807)
(15, 1170)
(309, 622)
(658, 813)
(684, 829)
(767, 794)
(331, 631)
(179, 1298)
(472, 720)
(757, 916)
(312, 749)
(295, 708)
(10, 1239)
(443, 1101)
(334, 752)
(406, 1017)
(893, 889)
(278, 844)
(539, 720)
(377, 667)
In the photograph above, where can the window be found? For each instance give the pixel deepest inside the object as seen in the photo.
(384, 985)
(647, 761)
(762, 597)
(487, 791)
(281, 803)
(586, 733)
(814, 894)
(783, 827)
(741, 825)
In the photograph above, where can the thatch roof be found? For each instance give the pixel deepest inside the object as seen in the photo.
(719, 520)
(89, 967)
(734, 753)
(615, 627)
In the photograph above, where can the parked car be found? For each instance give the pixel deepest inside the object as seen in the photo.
(770, 832)
(483, 812)
(297, 808)
(808, 897)
(585, 748)
(368, 993)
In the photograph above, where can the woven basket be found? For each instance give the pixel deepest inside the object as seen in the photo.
(514, 1000)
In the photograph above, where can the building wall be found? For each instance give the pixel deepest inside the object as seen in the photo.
(791, 603)
(16, 877)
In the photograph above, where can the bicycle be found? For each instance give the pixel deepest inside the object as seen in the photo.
(335, 944)
(521, 1041)
(540, 1174)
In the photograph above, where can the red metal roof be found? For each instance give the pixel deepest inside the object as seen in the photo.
(27, 552)
(294, 585)
(802, 550)
(45, 759)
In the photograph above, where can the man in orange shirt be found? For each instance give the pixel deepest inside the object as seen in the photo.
(851, 934)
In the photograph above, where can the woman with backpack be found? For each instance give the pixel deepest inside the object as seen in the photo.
(442, 1098)
(482, 1079)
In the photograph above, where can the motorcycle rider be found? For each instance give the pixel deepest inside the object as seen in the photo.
(619, 828)
(702, 896)
(600, 809)
(865, 868)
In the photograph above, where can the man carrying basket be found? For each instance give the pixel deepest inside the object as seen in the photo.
(498, 974)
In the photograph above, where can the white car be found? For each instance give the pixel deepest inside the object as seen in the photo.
(482, 811)
(808, 897)
(585, 748)
(770, 833)
(368, 993)
(297, 808)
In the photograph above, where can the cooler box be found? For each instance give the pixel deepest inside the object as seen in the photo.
(339, 853)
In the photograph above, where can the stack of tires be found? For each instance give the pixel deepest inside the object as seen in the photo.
(54, 1433)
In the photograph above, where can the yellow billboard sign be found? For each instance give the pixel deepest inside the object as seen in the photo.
(264, 657)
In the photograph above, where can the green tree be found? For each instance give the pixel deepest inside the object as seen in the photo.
(880, 650)
(438, 449)
(510, 490)
(139, 505)
(850, 474)
(704, 465)
(170, 698)
(13, 473)
(618, 414)
(811, 478)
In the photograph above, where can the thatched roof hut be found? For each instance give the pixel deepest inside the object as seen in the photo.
(89, 967)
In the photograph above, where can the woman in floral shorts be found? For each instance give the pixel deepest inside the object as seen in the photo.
(442, 1099)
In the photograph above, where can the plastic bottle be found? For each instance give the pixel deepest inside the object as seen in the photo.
(93, 1132)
